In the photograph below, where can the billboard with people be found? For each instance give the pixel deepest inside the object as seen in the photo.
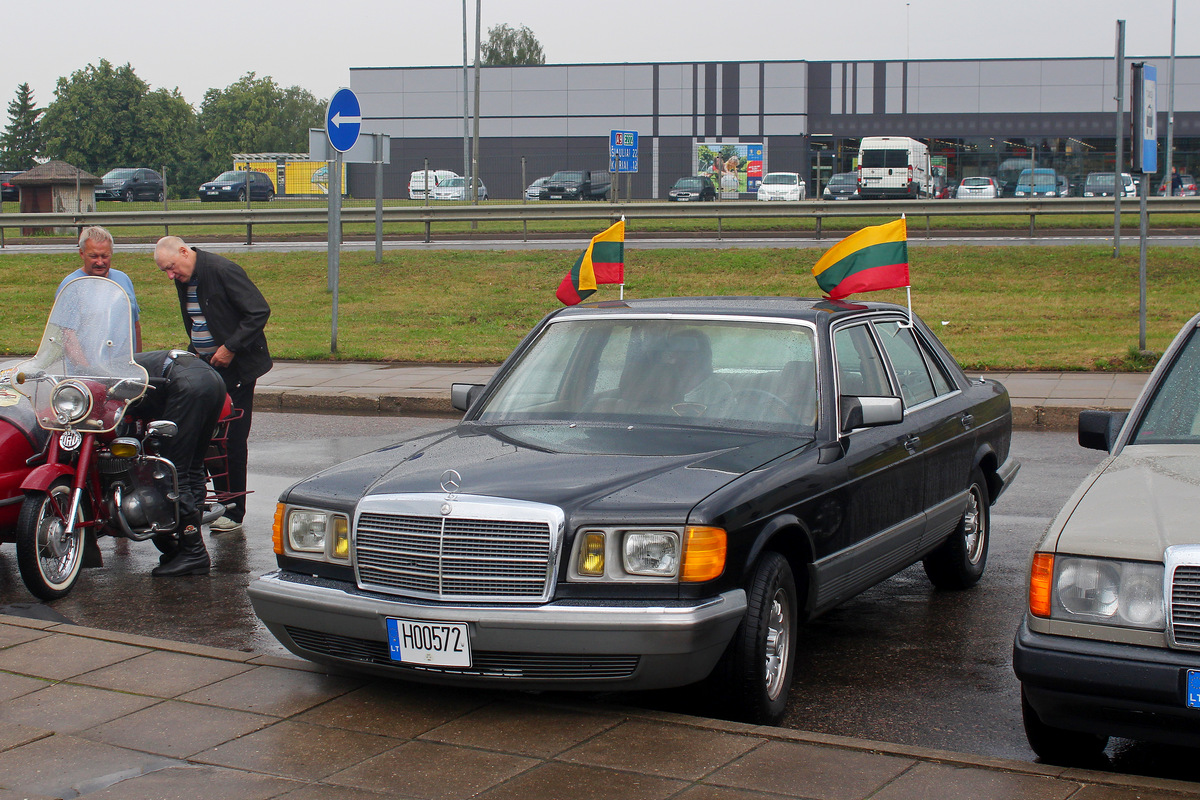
(735, 169)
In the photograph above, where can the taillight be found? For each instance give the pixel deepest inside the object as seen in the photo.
(910, 174)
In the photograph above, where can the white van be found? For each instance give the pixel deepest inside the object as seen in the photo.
(894, 167)
(416, 181)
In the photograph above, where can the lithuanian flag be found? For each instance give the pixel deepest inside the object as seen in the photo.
(602, 262)
(865, 261)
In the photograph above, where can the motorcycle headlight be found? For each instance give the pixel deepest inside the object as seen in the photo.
(319, 532)
(71, 402)
(1126, 594)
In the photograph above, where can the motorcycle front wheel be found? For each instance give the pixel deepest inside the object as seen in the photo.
(48, 558)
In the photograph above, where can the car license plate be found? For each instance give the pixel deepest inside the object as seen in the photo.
(434, 644)
(1193, 688)
(556, 197)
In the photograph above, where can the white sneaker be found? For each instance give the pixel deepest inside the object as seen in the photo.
(224, 525)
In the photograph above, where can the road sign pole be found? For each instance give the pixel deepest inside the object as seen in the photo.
(343, 123)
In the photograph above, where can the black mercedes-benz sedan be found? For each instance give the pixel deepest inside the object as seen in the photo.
(649, 493)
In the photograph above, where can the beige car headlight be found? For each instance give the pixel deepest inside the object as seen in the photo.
(1126, 594)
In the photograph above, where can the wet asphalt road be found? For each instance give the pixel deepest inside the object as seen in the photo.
(900, 663)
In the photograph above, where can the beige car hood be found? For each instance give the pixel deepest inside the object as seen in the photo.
(1141, 502)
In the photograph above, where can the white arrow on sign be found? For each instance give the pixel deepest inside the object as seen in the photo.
(337, 119)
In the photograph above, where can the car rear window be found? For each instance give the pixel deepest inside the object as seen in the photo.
(876, 159)
(977, 182)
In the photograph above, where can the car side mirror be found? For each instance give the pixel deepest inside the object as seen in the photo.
(869, 412)
(463, 395)
(1098, 429)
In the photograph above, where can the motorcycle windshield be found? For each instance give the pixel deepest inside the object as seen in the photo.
(84, 375)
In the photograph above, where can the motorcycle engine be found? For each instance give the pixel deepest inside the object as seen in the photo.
(143, 506)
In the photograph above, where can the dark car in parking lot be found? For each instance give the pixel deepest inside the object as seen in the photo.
(1110, 642)
(8, 191)
(649, 493)
(692, 188)
(841, 186)
(130, 184)
(231, 185)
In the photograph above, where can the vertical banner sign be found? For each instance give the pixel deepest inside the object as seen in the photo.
(1143, 115)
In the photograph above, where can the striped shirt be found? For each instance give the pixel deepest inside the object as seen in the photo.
(202, 340)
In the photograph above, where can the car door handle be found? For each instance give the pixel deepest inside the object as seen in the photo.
(911, 443)
(967, 420)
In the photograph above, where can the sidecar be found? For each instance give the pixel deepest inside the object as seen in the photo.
(21, 440)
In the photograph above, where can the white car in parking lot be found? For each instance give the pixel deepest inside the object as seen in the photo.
(456, 189)
(782, 186)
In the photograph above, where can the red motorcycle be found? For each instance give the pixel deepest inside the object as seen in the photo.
(98, 471)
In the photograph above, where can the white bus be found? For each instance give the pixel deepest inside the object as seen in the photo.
(894, 167)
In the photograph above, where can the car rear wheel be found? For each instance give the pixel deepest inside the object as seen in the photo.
(159, 198)
(270, 195)
(958, 563)
(755, 673)
(1058, 745)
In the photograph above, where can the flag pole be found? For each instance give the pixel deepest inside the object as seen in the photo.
(622, 293)
(907, 289)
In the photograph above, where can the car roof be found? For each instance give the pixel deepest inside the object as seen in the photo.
(817, 310)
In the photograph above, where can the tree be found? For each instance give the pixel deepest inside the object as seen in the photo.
(93, 122)
(21, 140)
(506, 46)
(254, 115)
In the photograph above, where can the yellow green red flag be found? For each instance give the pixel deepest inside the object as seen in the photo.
(602, 262)
(868, 260)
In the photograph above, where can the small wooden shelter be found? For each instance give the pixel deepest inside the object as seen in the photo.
(55, 187)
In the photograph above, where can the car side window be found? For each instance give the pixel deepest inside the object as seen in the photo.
(860, 366)
(912, 368)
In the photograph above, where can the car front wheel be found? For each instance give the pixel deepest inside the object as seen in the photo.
(958, 563)
(755, 672)
(128, 196)
(1057, 745)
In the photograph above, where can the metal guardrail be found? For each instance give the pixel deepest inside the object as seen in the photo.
(429, 216)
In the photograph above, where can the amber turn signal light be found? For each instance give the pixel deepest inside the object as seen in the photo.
(703, 554)
(1041, 582)
(277, 530)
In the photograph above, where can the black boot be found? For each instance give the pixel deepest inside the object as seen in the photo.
(190, 559)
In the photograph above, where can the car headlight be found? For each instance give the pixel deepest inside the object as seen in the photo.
(651, 553)
(321, 533)
(1127, 594)
(71, 402)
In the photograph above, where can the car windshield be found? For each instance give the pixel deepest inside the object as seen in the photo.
(1100, 179)
(780, 178)
(119, 174)
(689, 183)
(228, 177)
(453, 182)
(567, 177)
(714, 374)
(1173, 416)
(843, 179)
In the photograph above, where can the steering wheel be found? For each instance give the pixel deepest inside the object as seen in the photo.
(760, 395)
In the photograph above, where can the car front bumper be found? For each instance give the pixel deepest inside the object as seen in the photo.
(567, 645)
(1108, 688)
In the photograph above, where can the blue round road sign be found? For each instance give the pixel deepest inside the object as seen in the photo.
(343, 120)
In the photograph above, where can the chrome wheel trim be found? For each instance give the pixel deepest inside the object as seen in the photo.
(974, 526)
(778, 644)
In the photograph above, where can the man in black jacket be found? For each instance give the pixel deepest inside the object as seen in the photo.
(224, 314)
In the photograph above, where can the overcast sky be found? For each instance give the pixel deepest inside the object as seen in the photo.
(197, 46)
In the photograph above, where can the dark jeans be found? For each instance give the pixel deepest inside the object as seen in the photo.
(242, 397)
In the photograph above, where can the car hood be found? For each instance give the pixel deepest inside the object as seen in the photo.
(1136, 505)
(609, 469)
